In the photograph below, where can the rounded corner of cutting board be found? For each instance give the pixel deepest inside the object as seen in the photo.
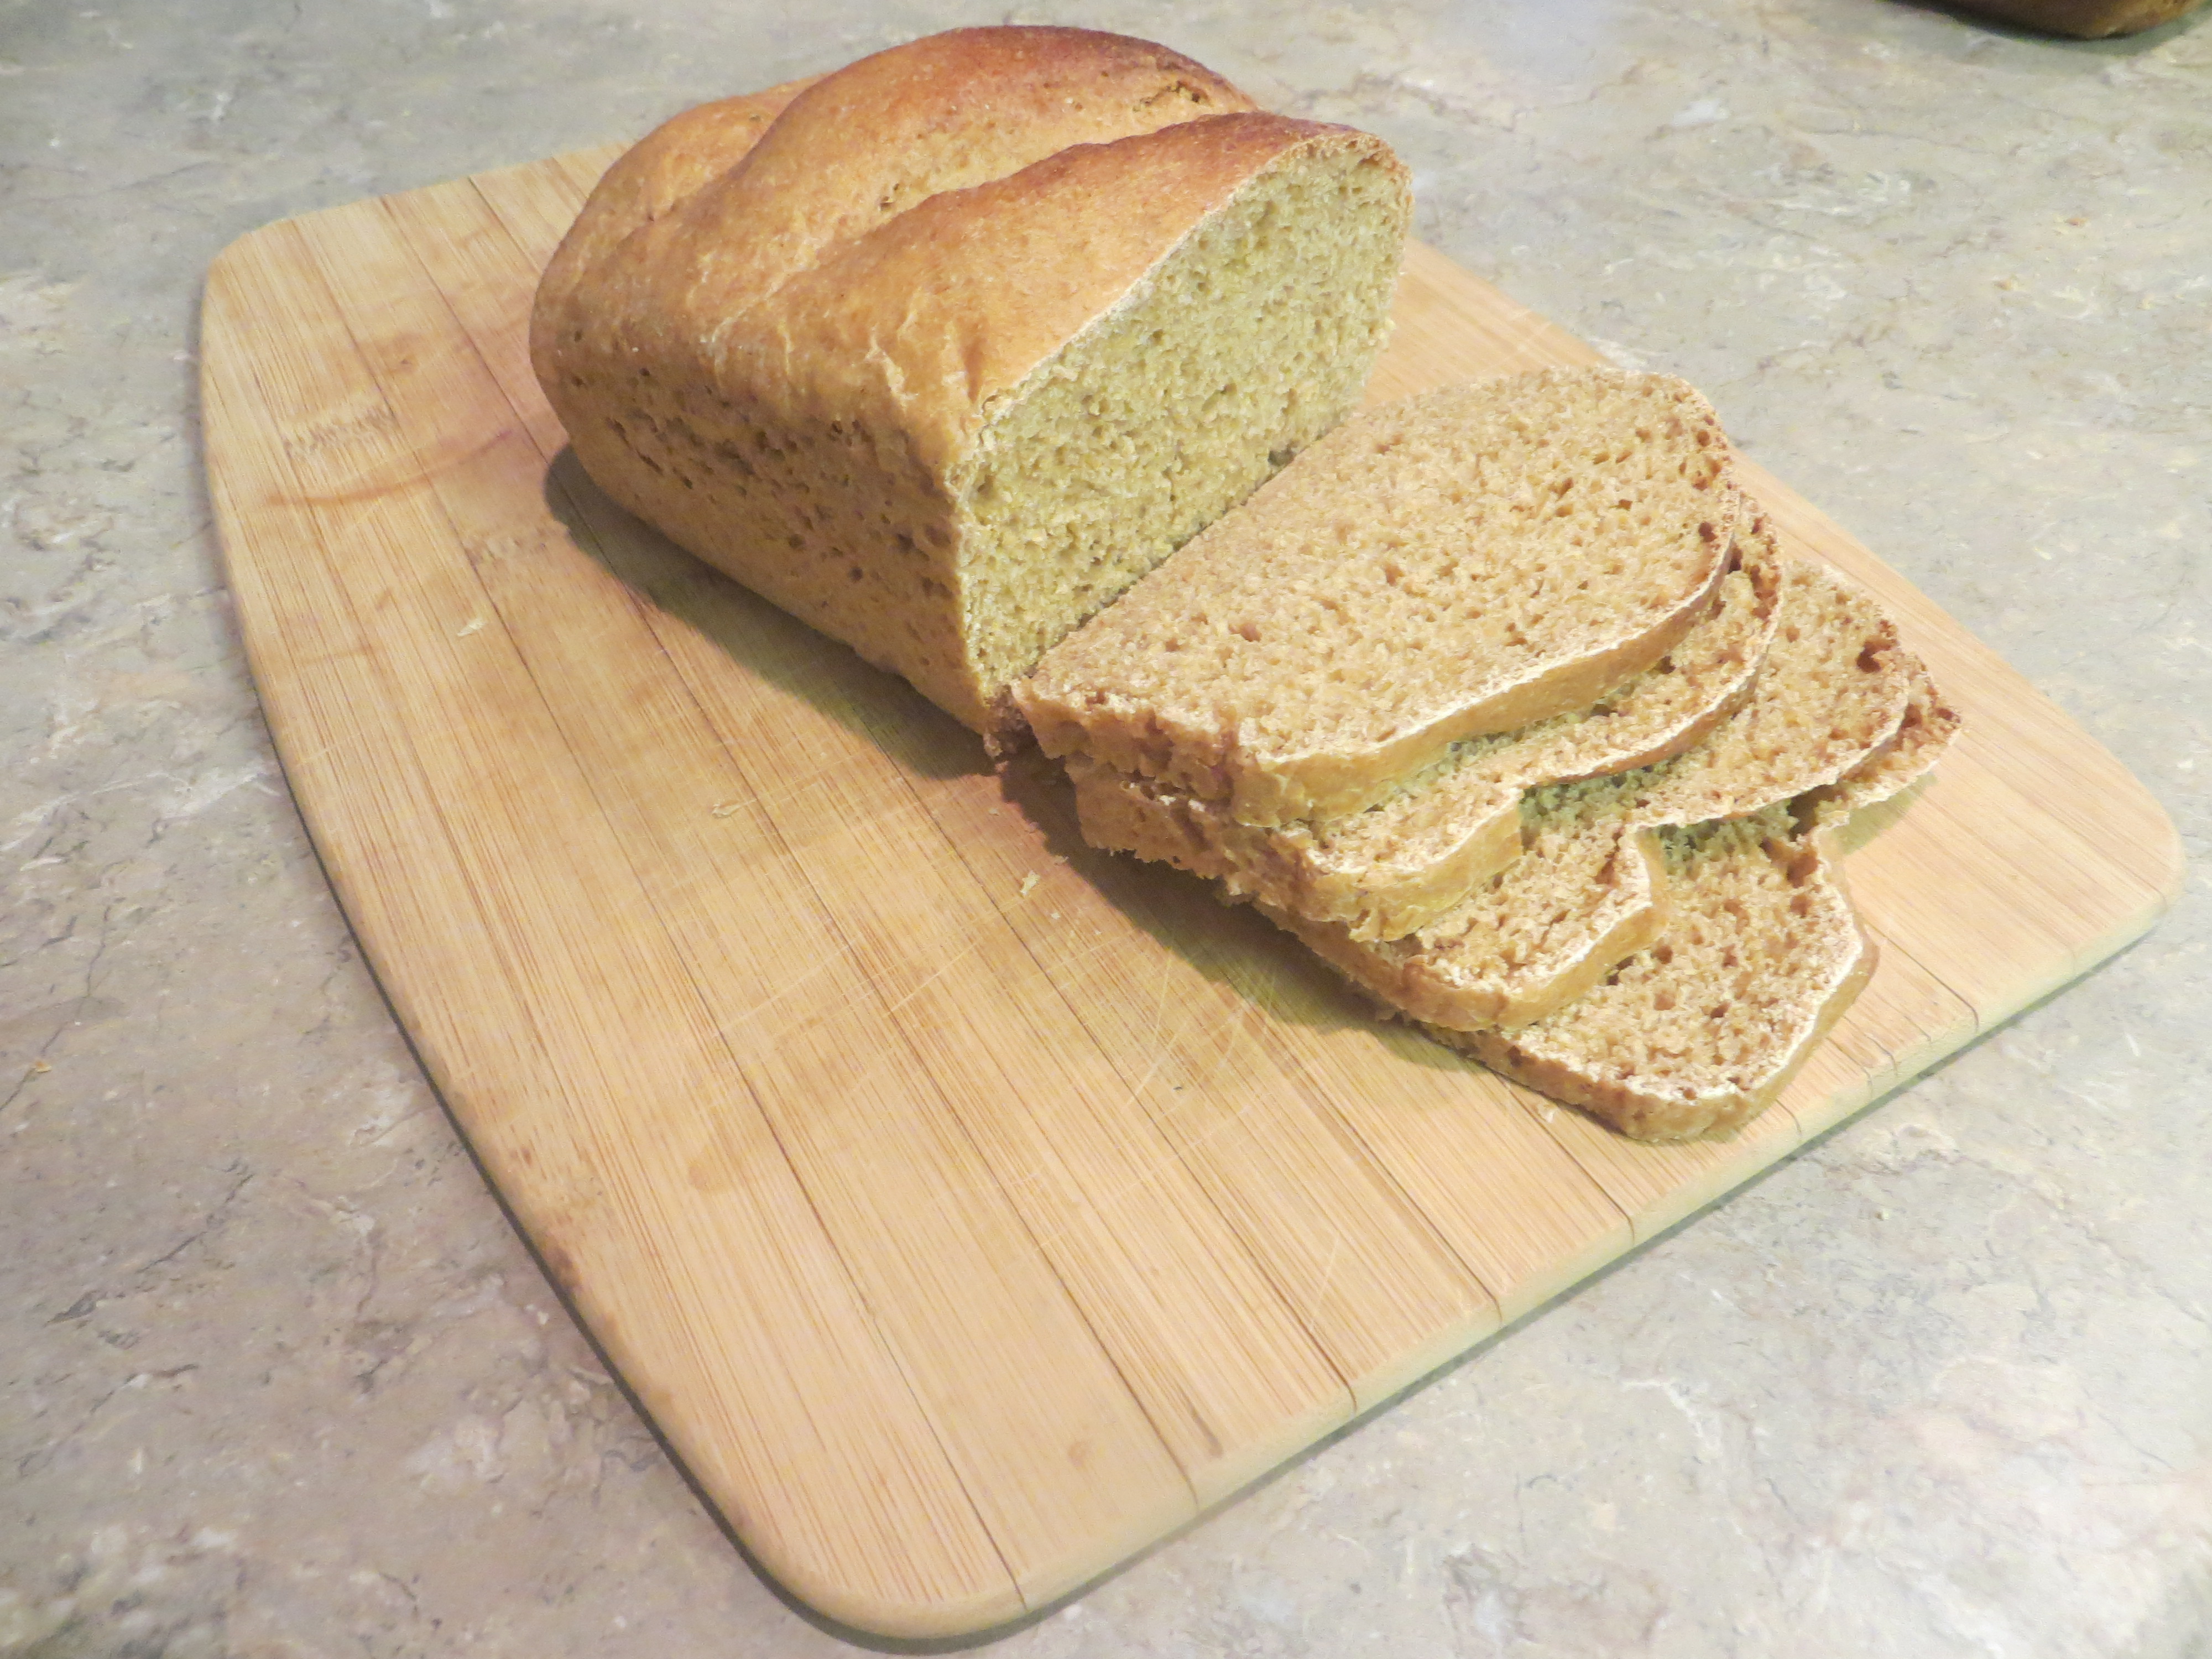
(237, 249)
(970, 1614)
(2172, 861)
(217, 287)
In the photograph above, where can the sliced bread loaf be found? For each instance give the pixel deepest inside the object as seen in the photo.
(1832, 692)
(1581, 898)
(1468, 561)
(971, 335)
(1440, 834)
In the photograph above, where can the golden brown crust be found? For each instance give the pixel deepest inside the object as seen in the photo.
(714, 213)
(858, 148)
(937, 316)
(662, 169)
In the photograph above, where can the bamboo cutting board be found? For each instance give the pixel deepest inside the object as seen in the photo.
(967, 1208)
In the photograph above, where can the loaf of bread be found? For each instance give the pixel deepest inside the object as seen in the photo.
(970, 335)
(1470, 561)
(1443, 833)
(1831, 698)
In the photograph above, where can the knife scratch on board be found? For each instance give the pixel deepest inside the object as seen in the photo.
(934, 975)
(748, 1018)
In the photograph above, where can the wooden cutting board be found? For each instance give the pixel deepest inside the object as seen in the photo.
(967, 1208)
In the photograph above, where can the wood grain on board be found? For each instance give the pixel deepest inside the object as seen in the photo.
(969, 1209)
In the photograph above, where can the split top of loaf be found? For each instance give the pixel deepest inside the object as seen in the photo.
(1471, 561)
(968, 336)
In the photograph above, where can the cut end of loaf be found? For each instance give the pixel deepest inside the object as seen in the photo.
(1250, 340)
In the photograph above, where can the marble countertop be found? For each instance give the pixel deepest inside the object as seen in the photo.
(277, 1378)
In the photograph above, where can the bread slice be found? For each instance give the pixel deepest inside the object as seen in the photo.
(1440, 834)
(1930, 727)
(1582, 896)
(1758, 956)
(1832, 692)
(1761, 954)
(970, 336)
(1471, 561)
(1583, 899)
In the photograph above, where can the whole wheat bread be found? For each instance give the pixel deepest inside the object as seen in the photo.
(1831, 697)
(1468, 561)
(1443, 833)
(1758, 956)
(1761, 953)
(968, 337)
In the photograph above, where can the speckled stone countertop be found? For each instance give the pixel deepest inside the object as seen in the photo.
(275, 1376)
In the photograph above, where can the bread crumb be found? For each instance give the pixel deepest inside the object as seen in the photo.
(727, 808)
(473, 625)
(1029, 883)
(40, 1068)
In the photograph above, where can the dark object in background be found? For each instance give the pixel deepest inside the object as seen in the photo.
(2088, 20)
